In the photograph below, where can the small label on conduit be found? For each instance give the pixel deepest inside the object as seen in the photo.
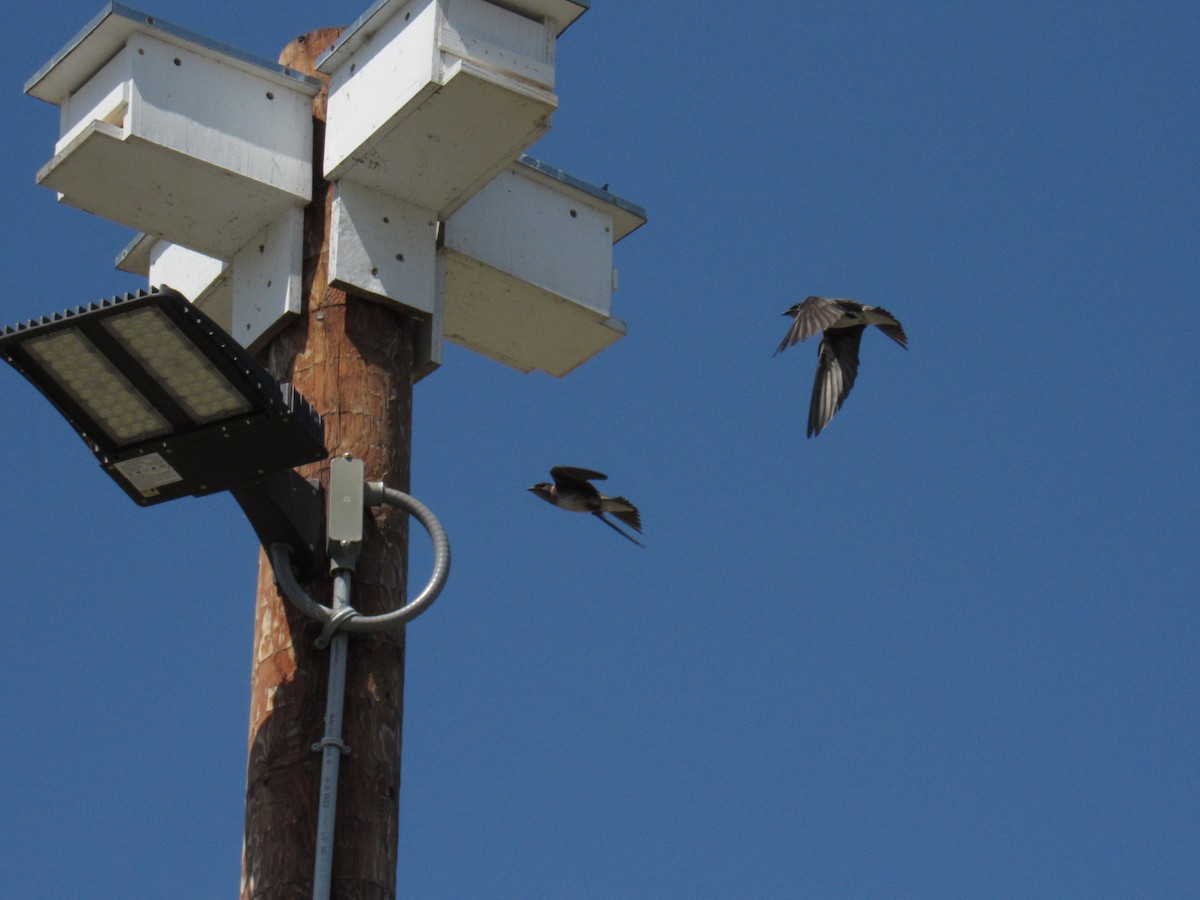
(148, 473)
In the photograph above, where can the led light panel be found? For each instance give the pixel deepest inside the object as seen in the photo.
(182, 370)
(92, 381)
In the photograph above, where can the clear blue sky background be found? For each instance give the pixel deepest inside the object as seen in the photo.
(948, 648)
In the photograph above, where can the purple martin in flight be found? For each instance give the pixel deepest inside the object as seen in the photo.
(572, 491)
(841, 323)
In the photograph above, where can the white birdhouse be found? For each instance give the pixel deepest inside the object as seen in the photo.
(430, 99)
(537, 296)
(176, 135)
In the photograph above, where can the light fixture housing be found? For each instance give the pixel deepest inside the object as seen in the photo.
(169, 403)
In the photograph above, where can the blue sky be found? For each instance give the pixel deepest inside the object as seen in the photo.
(948, 648)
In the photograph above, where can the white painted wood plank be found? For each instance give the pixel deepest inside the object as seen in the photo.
(430, 153)
(518, 324)
(221, 115)
(562, 246)
(105, 97)
(267, 280)
(162, 192)
(496, 38)
(558, 14)
(393, 67)
(383, 247)
(104, 36)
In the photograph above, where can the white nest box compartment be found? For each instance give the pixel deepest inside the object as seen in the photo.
(528, 268)
(430, 99)
(175, 135)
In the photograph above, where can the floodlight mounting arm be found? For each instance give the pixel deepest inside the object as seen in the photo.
(285, 508)
(348, 619)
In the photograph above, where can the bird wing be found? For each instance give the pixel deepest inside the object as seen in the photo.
(600, 516)
(892, 329)
(837, 368)
(814, 316)
(570, 476)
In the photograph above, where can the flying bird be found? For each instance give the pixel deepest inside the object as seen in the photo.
(841, 323)
(572, 491)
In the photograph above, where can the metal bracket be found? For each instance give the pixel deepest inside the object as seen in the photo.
(334, 623)
(324, 742)
(285, 508)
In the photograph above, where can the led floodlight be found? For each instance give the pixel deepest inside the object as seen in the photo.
(170, 403)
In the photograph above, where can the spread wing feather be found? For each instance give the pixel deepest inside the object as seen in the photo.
(814, 316)
(837, 369)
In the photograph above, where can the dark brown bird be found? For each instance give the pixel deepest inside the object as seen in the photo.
(841, 323)
(573, 491)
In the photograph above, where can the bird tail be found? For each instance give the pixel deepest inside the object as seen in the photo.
(624, 511)
(600, 516)
(889, 325)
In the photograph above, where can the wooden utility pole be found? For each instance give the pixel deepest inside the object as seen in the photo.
(353, 360)
(208, 155)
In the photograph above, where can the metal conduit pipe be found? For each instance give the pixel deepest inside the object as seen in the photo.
(331, 745)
